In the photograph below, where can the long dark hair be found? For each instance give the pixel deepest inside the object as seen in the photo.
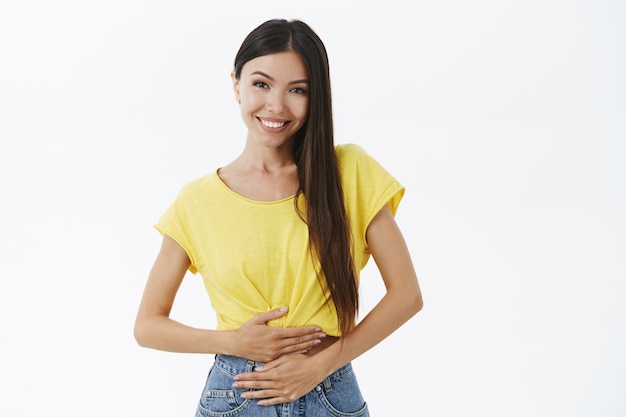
(314, 152)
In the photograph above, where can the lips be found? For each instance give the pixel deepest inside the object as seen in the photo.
(272, 124)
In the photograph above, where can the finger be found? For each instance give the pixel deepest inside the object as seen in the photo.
(300, 344)
(263, 318)
(304, 331)
(269, 365)
(247, 379)
(251, 385)
(274, 401)
(257, 389)
(241, 380)
(267, 394)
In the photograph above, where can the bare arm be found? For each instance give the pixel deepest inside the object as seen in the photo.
(403, 297)
(254, 340)
(291, 376)
(402, 300)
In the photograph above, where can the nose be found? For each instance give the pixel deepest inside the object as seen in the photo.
(275, 102)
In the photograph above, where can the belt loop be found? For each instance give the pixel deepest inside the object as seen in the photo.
(249, 366)
(327, 385)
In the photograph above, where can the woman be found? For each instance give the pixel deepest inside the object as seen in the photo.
(279, 236)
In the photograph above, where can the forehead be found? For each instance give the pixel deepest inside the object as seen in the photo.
(281, 65)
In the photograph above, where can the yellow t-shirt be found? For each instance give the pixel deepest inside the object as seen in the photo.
(254, 256)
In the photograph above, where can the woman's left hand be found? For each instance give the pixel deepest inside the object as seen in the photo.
(282, 380)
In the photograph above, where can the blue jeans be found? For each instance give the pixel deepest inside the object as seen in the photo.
(337, 396)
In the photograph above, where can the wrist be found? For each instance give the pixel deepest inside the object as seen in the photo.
(228, 344)
(326, 360)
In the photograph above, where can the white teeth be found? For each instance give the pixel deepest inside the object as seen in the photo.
(273, 125)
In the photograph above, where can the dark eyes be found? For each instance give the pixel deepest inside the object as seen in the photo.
(298, 90)
(262, 84)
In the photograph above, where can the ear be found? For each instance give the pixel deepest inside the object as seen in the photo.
(235, 87)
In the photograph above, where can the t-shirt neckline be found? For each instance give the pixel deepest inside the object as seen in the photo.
(244, 198)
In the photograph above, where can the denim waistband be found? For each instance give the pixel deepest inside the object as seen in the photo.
(235, 365)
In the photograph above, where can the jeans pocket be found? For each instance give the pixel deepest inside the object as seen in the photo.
(341, 396)
(219, 398)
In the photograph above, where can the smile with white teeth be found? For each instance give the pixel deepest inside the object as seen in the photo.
(273, 125)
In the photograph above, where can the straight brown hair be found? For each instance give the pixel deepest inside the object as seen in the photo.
(314, 153)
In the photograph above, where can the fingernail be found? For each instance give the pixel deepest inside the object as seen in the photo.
(282, 310)
(317, 341)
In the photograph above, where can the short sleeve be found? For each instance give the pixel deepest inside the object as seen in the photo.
(175, 223)
(368, 187)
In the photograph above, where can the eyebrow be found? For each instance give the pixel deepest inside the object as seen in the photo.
(303, 81)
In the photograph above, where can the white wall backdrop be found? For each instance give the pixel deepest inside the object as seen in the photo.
(504, 119)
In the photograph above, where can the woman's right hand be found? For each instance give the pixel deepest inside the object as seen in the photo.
(262, 343)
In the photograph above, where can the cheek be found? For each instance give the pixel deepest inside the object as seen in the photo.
(301, 109)
(250, 103)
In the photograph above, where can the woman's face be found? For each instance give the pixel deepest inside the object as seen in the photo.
(273, 91)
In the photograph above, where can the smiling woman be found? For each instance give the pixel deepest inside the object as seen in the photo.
(272, 90)
(280, 235)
